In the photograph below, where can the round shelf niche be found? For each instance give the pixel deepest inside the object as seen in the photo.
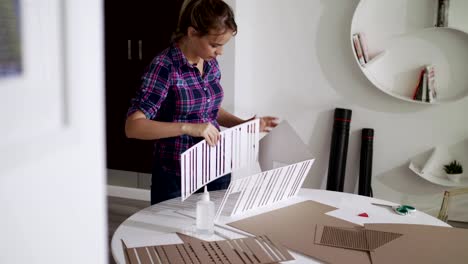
(401, 41)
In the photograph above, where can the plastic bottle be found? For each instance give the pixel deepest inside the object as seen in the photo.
(205, 214)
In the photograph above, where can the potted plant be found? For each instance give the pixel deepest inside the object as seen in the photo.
(454, 171)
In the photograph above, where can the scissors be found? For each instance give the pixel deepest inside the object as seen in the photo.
(399, 209)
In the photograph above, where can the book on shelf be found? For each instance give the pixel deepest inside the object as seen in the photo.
(417, 95)
(431, 83)
(425, 96)
(358, 49)
(441, 14)
(425, 90)
(363, 42)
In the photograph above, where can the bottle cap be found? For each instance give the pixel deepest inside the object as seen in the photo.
(206, 195)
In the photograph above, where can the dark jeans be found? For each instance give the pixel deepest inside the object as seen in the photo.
(165, 186)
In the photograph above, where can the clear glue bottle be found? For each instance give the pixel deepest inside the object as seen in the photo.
(205, 214)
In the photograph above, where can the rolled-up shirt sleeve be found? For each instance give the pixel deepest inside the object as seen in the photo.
(153, 89)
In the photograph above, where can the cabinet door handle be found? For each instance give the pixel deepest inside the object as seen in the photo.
(140, 49)
(129, 49)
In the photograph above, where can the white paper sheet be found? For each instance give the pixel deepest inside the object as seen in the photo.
(237, 148)
(282, 145)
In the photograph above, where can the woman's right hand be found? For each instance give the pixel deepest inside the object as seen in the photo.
(206, 130)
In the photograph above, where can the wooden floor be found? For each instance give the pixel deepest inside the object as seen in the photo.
(458, 224)
(119, 209)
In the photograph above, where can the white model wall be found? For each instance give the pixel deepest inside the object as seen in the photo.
(293, 60)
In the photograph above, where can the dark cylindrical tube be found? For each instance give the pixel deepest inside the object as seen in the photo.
(338, 150)
(365, 165)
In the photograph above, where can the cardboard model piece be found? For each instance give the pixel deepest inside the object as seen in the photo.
(350, 243)
(251, 250)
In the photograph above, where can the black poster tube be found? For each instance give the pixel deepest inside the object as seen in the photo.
(339, 150)
(365, 165)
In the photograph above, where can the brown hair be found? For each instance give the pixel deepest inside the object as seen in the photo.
(205, 16)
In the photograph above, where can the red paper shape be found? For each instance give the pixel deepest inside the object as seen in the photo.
(363, 215)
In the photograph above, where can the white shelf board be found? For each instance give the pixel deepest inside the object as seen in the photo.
(383, 20)
(429, 166)
(438, 178)
(375, 59)
(389, 91)
(401, 41)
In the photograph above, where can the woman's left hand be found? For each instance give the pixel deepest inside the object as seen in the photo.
(266, 122)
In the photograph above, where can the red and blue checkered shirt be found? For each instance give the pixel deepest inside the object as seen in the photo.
(173, 90)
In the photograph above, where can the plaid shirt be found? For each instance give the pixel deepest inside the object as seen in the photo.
(173, 90)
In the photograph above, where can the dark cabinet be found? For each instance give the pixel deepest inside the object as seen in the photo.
(135, 31)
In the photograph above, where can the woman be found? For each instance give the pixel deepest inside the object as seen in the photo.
(178, 103)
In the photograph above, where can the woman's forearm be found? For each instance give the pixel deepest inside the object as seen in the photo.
(139, 127)
(146, 129)
(227, 119)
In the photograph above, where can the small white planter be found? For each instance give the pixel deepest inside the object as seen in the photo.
(455, 177)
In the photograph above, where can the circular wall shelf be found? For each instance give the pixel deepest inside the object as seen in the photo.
(401, 41)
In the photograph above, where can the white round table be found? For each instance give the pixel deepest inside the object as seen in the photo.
(151, 225)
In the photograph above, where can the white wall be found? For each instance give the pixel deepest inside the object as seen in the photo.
(52, 184)
(226, 62)
(293, 60)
